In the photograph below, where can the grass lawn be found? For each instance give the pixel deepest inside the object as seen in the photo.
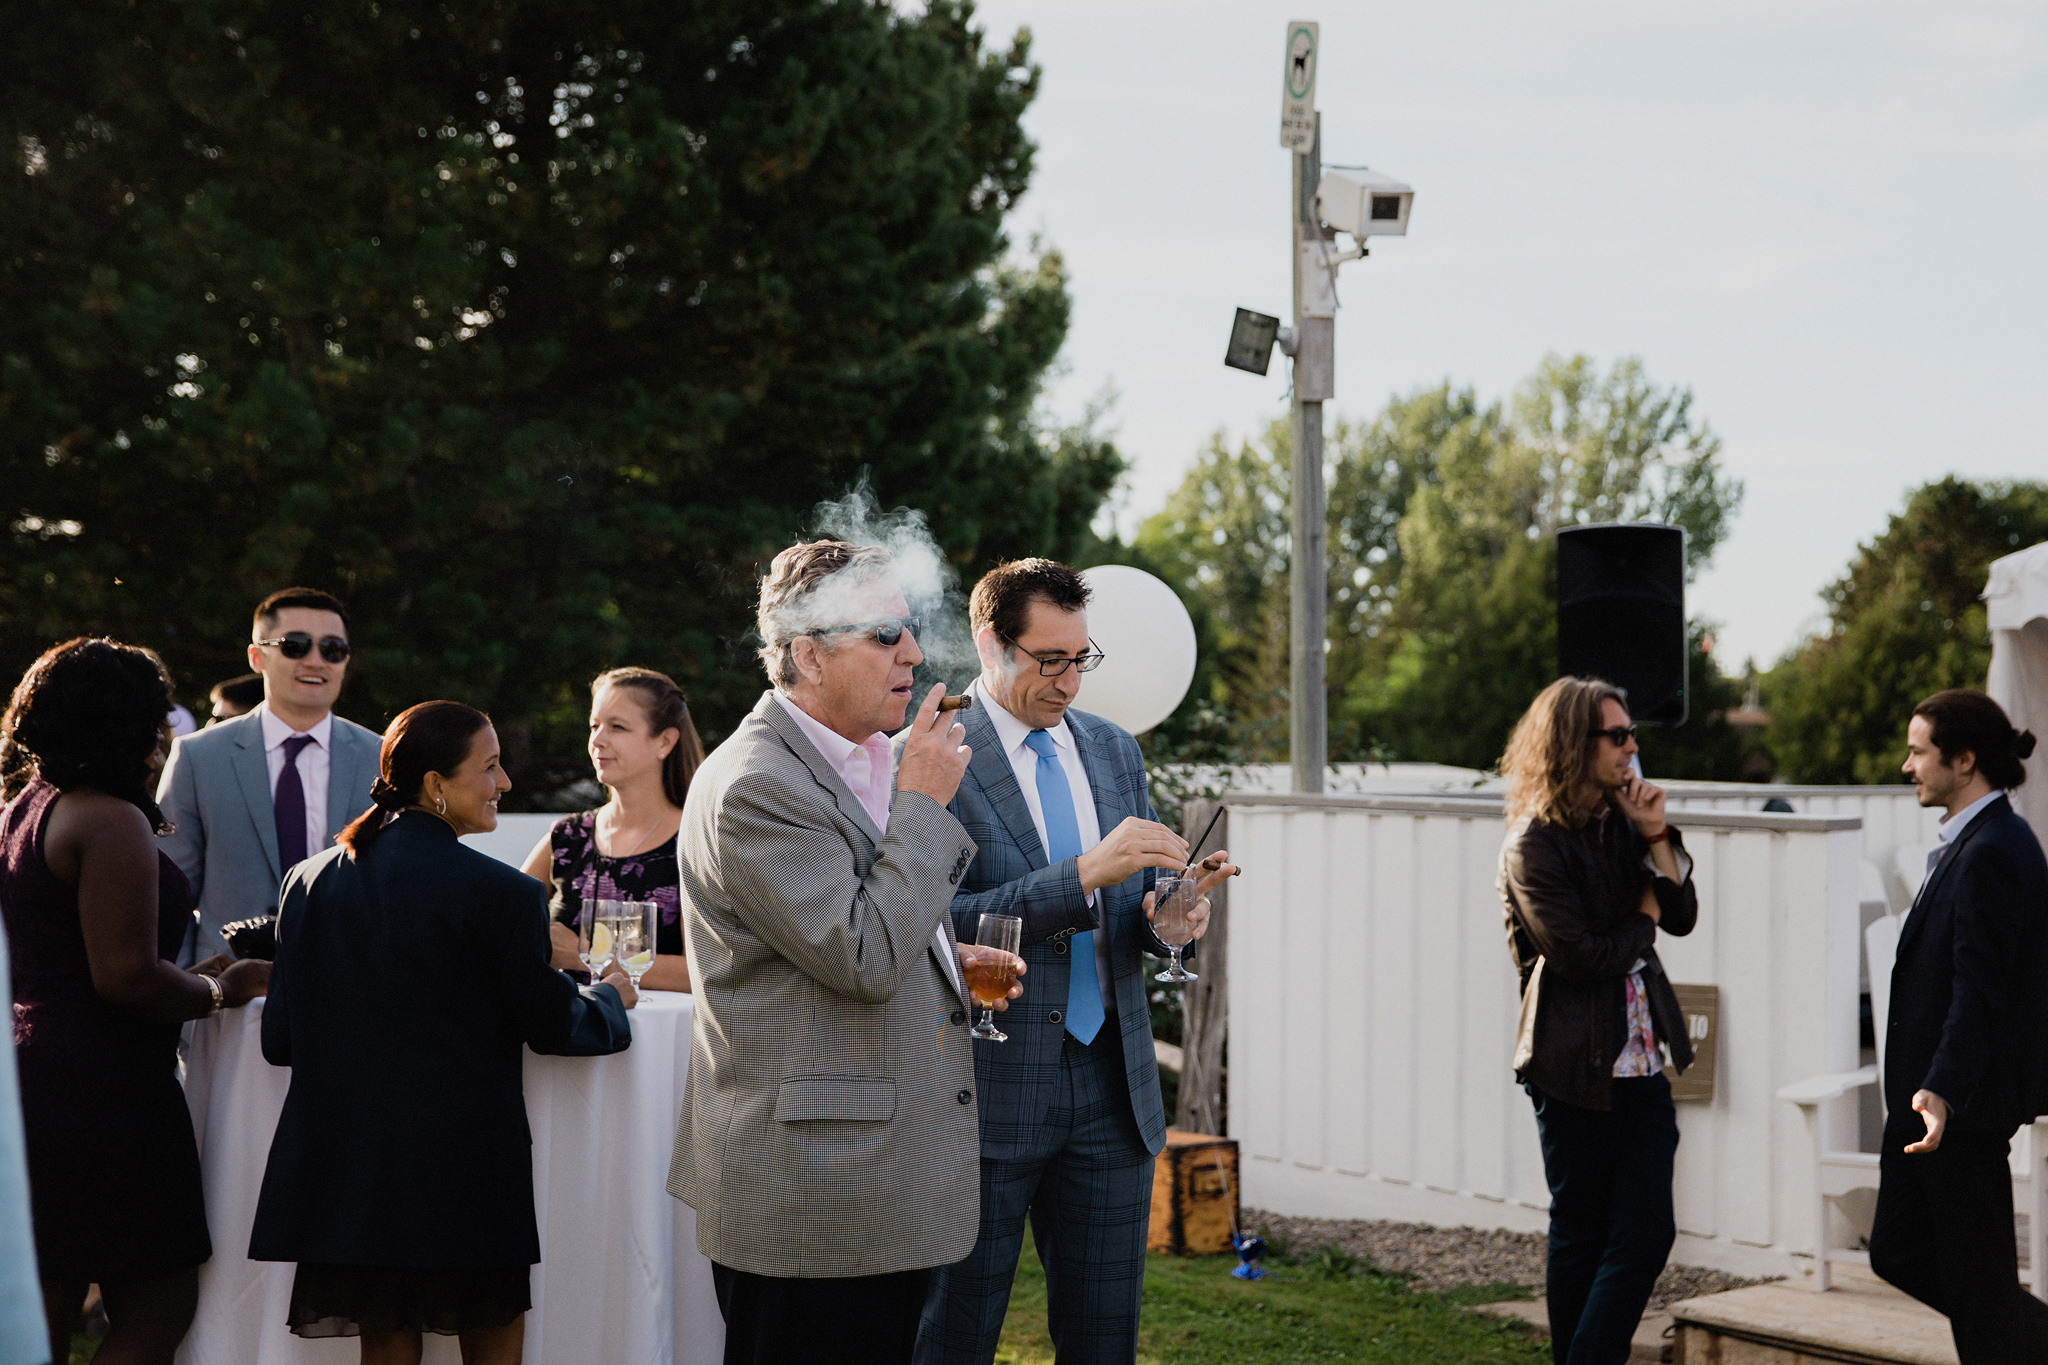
(1320, 1308)
(1326, 1307)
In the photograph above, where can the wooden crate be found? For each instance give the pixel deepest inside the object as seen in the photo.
(1194, 1202)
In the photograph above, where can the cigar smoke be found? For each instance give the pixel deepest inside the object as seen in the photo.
(920, 571)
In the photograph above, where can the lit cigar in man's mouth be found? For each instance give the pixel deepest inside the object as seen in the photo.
(960, 703)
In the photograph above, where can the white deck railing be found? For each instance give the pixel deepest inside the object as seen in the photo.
(1894, 822)
(1373, 1009)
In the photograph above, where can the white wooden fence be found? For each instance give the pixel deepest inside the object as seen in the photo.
(1373, 1009)
(1894, 822)
(1372, 1006)
(514, 837)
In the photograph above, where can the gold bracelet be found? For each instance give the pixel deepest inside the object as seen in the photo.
(212, 984)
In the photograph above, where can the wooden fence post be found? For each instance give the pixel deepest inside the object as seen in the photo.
(1205, 1004)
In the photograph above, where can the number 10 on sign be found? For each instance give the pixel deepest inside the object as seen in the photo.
(1298, 86)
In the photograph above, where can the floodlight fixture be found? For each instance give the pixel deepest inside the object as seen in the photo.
(1251, 341)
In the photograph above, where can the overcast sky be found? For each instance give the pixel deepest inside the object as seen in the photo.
(1828, 219)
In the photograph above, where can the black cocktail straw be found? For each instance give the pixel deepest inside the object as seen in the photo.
(1196, 846)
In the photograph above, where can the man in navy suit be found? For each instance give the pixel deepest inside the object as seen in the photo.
(1966, 1046)
(1071, 1118)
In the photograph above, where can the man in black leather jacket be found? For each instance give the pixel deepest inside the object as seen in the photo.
(1589, 872)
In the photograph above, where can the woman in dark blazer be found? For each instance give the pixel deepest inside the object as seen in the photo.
(401, 1176)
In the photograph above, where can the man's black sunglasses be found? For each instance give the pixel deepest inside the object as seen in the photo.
(885, 632)
(296, 644)
(1052, 665)
(1617, 735)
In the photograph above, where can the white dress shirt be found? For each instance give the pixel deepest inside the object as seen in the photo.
(1953, 825)
(315, 762)
(1950, 829)
(1024, 763)
(865, 769)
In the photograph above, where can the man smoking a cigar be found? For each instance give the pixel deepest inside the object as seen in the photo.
(827, 1139)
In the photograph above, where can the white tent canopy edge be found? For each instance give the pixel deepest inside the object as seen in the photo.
(2016, 610)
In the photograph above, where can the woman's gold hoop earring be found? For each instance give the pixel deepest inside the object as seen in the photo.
(441, 805)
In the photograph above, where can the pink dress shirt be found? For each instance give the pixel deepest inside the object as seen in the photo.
(867, 771)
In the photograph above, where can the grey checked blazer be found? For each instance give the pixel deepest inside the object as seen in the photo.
(828, 1124)
(216, 790)
(1010, 876)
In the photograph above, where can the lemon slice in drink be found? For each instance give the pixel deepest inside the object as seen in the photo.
(600, 940)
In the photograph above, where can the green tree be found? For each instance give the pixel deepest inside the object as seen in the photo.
(1475, 610)
(1442, 521)
(1904, 621)
(1223, 539)
(1706, 747)
(531, 329)
(1222, 542)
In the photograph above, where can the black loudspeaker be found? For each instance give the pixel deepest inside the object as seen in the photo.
(1621, 614)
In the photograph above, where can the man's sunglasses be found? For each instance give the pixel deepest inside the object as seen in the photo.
(297, 644)
(1052, 665)
(886, 633)
(1617, 735)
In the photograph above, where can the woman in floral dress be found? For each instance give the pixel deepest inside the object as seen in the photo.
(645, 750)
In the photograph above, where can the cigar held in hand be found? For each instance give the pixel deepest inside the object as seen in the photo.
(959, 703)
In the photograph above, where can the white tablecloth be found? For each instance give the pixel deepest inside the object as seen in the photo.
(620, 1278)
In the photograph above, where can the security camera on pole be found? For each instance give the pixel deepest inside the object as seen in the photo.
(1320, 206)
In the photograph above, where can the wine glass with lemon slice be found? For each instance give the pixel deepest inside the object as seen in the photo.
(595, 934)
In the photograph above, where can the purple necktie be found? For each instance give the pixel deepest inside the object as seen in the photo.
(290, 806)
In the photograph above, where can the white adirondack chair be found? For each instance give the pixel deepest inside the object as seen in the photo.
(1910, 862)
(1848, 1179)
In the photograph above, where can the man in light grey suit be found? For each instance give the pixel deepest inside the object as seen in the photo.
(827, 1139)
(255, 795)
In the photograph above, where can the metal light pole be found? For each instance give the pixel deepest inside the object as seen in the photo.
(1315, 337)
(1363, 205)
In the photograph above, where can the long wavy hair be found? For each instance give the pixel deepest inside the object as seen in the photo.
(90, 712)
(1549, 759)
(433, 737)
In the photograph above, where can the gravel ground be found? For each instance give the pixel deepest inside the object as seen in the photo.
(1443, 1258)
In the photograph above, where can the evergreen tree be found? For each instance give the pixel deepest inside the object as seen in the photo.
(530, 329)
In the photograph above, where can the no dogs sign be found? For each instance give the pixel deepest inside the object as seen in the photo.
(1298, 87)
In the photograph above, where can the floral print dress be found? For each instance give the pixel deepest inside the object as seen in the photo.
(580, 873)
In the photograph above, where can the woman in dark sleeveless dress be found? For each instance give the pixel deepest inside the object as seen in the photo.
(644, 749)
(95, 913)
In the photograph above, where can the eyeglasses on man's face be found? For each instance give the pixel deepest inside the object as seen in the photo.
(886, 632)
(1052, 665)
(296, 644)
(1617, 735)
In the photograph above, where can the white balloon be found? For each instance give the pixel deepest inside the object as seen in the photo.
(1149, 645)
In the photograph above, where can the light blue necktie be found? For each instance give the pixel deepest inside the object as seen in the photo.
(1063, 834)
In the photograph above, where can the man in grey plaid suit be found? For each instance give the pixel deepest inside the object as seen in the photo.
(1071, 1116)
(827, 1139)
